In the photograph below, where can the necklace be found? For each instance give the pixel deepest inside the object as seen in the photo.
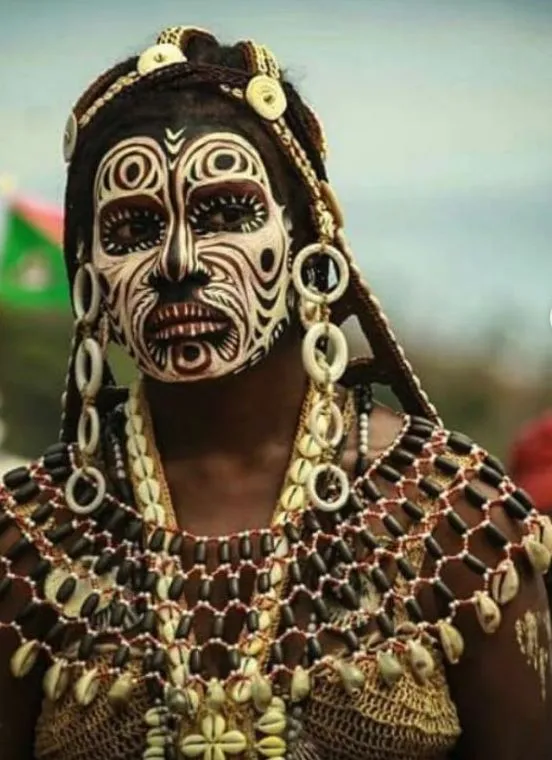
(239, 712)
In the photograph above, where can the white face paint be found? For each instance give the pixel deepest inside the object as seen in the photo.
(192, 248)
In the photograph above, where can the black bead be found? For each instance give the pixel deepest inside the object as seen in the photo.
(5, 585)
(433, 548)
(295, 572)
(57, 459)
(370, 490)
(16, 477)
(416, 419)
(195, 661)
(233, 587)
(287, 615)
(200, 553)
(413, 511)
(406, 569)
(318, 563)
(495, 464)
(205, 589)
(245, 549)
(151, 580)
(320, 609)
(124, 572)
(430, 488)
(263, 582)
(368, 539)
(118, 613)
(18, 548)
(385, 624)
(86, 646)
(60, 447)
(421, 430)
(147, 662)
(105, 562)
(66, 590)
(252, 621)
(176, 589)
(59, 474)
(176, 544)
(514, 508)
(224, 552)
(351, 641)
(122, 656)
(349, 596)
(311, 521)
(159, 661)
(82, 545)
(393, 526)
(267, 544)
(354, 502)
(460, 443)
(413, 443)
(134, 530)
(116, 518)
(446, 465)
(90, 605)
(314, 649)
(380, 580)
(27, 492)
(474, 564)
(40, 570)
(495, 535)
(402, 457)
(234, 659)
(292, 533)
(343, 551)
(361, 465)
(42, 513)
(474, 496)
(184, 626)
(459, 525)
(56, 630)
(490, 476)
(60, 532)
(443, 591)
(389, 473)
(277, 652)
(218, 627)
(524, 499)
(148, 624)
(414, 610)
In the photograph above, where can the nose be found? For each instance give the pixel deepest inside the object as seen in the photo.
(178, 258)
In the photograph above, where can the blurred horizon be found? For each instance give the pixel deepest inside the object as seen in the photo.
(438, 117)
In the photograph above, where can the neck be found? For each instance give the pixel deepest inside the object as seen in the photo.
(231, 415)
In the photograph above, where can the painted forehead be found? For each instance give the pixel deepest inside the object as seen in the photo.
(145, 164)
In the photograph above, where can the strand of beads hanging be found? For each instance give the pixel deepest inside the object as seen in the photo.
(88, 368)
(364, 405)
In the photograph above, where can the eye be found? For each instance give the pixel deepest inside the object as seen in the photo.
(228, 213)
(131, 229)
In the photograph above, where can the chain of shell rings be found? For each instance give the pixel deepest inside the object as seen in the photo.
(88, 369)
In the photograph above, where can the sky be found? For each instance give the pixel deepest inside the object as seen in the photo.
(438, 115)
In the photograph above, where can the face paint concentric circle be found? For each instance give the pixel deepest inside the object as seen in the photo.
(191, 247)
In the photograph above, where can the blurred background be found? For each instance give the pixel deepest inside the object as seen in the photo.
(438, 115)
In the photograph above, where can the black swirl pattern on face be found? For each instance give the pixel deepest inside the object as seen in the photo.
(196, 218)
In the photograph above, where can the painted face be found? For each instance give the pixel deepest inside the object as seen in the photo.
(191, 248)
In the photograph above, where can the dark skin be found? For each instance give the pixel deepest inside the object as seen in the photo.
(224, 465)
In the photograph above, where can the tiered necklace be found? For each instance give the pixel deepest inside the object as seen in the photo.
(217, 719)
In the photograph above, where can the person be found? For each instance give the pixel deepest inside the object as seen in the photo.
(530, 460)
(244, 555)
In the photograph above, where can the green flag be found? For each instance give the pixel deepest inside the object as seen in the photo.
(32, 272)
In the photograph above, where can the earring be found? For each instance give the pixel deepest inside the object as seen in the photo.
(324, 366)
(88, 369)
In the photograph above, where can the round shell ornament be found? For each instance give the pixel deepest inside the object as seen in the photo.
(157, 56)
(70, 135)
(266, 96)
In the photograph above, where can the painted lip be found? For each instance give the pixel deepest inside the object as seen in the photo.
(185, 320)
